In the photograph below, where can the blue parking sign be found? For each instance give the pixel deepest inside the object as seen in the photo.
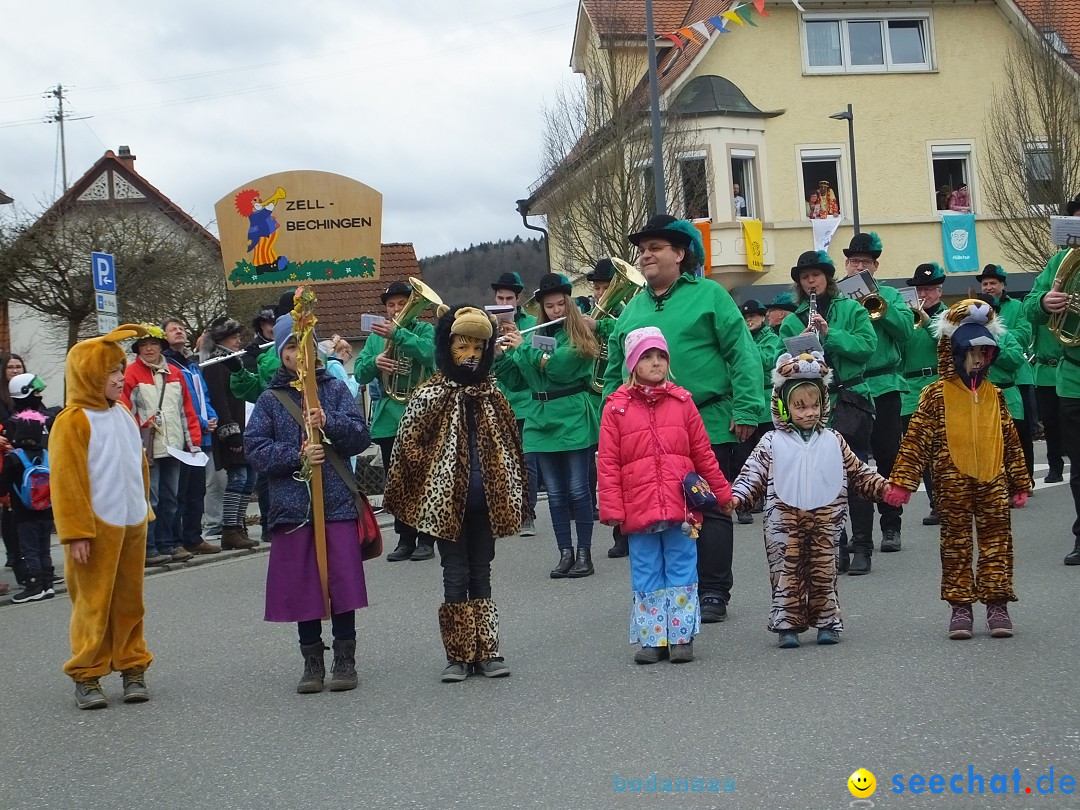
(104, 270)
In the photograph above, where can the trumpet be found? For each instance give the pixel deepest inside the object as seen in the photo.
(875, 306)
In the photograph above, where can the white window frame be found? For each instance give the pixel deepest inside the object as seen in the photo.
(1027, 148)
(828, 154)
(882, 17)
(703, 156)
(952, 150)
(749, 185)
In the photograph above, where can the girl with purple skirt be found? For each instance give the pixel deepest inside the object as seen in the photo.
(274, 444)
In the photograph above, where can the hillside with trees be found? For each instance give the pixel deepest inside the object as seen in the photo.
(465, 276)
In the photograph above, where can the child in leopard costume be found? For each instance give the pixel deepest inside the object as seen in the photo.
(458, 473)
(804, 470)
(963, 432)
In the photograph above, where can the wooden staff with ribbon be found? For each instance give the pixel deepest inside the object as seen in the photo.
(304, 321)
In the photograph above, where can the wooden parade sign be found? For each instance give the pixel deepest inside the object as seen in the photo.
(299, 227)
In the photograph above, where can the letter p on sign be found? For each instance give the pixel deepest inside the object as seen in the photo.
(104, 272)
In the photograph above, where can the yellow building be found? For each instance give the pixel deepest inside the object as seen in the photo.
(919, 77)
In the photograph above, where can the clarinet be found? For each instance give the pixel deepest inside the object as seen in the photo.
(812, 313)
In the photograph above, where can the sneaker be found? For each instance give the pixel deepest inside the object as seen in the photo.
(492, 668)
(528, 529)
(998, 621)
(713, 609)
(890, 540)
(650, 655)
(135, 687)
(455, 672)
(88, 695)
(682, 653)
(32, 592)
(789, 640)
(158, 559)
(961, 622)
(828, 635)
(932, 519)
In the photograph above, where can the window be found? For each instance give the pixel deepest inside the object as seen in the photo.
(694, 184)
(743, 178)
(1039, 173)
(951, 169)
(821, 181)
(860, 45)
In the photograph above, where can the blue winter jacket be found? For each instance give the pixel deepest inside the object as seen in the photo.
(200, 396)
(272, 442)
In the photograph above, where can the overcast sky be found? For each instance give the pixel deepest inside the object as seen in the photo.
(436, 105)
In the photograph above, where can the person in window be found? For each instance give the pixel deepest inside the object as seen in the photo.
(944, 192)
(823, 202)
(960, 201)
(739, 200)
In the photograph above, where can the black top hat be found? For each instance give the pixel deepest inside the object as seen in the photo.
(604, 270)
(264, 315)
(223, 327)
(752, 307)
(993, 271)
(864, 244)
(813, 260)
(509, 281)
(658, 227)
(396, 288)
(929, 274)
(551, 283)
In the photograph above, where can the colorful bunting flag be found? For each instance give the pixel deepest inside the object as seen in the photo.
(701, 28)
(674, 38)
(760, 6)
(733, 16)
(740, 15)
(719, 24)
(688, 32)
(745, 13)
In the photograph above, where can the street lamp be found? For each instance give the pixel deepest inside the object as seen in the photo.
(847, 116)
(654, 113)
(523, 209)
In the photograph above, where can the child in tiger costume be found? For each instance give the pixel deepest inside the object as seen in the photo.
(804, 470)
(963, 431)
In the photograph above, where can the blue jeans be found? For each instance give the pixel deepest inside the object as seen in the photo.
(164, 492)
(566, 476)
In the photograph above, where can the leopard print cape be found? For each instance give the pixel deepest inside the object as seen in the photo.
(428, 481)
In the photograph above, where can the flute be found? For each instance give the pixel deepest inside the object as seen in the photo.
(225, 357)
(534, 328)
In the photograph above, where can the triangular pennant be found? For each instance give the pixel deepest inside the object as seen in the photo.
(674, 38)
(701, 28)
(720, 24)
(746, 12)
(731, 15)
(760, 6)
(688, 32)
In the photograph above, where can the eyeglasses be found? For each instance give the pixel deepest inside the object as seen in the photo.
(655, 247)
(860, 262)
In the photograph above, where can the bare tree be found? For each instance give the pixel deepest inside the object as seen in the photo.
(596, 156)
(1033, 150)
(163, 267)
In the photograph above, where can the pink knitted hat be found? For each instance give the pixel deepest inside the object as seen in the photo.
(640, 341)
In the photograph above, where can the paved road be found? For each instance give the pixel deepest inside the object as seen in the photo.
(782, 728)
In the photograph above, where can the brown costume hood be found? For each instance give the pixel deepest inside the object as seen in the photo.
(89, 364)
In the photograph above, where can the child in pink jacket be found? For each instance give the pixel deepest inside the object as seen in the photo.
(651, 436)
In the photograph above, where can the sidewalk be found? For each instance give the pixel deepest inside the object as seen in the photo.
(386, 522)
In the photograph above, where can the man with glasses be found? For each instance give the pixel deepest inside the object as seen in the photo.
(883, 374)
(713, 356)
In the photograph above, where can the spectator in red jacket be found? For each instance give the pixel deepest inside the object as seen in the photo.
(158, 397)
(651, 436)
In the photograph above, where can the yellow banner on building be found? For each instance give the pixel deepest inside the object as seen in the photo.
(755, 244)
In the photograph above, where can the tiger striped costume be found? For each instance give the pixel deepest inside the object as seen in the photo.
(930, 440)
(801, 544)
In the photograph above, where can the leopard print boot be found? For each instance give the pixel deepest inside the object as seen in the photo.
(458, 629)
(488, 661)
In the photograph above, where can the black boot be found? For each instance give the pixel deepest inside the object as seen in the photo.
(566, 562)
(1073, 557)
(583, 565)
(621, 547)
(424, 551)
(32, 590)
(343, 672)
(314, 669)
(403, 551)
(860, 563)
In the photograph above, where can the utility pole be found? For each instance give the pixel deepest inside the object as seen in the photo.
(654, 108)
(58, 118)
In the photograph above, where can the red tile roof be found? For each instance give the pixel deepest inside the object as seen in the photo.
(341, 305)
(1059, 16)
(626, 18)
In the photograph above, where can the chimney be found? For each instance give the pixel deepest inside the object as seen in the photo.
(125, 154)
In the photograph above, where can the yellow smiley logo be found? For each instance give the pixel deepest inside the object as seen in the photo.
(862, 784)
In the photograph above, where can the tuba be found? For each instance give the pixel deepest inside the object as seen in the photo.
(1065, 325)
(627, 283)
(399, 384)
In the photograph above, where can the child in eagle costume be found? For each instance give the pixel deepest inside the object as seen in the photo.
(458, 473)
(963, 432)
